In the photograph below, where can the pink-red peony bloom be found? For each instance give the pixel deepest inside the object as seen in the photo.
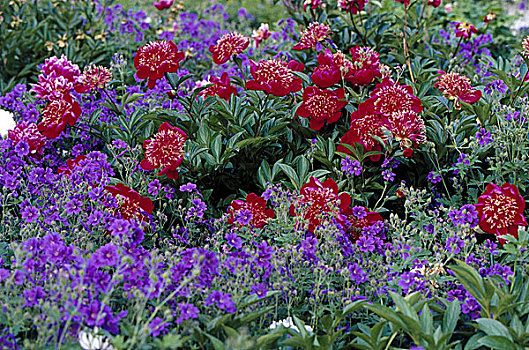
(352, 6)
(261, 34)
(321, 106)
(315, 33)
(163, 4)
(227, 46)
(500, 210)
(364, 125)
(58, 77)
(389, 97)
(57, 114)
(255, 207)
(406, 127)
(93, 77)
(328, 72)
(434, 3)
(318, 201)
(29, 133)
(457, 87)
(71, 164)
(165, 150)
(155, 59)
(465, 30)
(131, 204)
(275, 77)
(222, 87)
(313, 4)
(366, 65)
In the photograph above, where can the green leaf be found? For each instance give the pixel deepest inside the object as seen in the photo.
(451, 316)
(498, 342)
(493, 327)
(217, 344)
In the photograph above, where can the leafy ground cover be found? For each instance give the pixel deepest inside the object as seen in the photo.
(351, 176)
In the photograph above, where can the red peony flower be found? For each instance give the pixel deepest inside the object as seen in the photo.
(163, 4)
(465, 30)
(489, 17)
(57, 114)
(363, 125)
(318, 199)
(457, 87)
(321, 106)
(262, 33)
(352, 6)
(222, 87)
(93, 77)
(405, 2)
(155, 59)
(314, 4)
(275, 77)
(366, 66)
(165, 150)
(390, 97)
(256, 206)
(327, 73)
(71, 164)
(408, 153)
(131, 204)
(500, 210)
(228, 45)
(434, 3)
(29, 133)
(406, 127)
(315, 33)
(355, 224)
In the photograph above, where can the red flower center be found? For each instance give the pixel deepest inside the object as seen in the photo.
(274, 71)
(391, 98)
(166, 148)
(54, 112)
(500, 210)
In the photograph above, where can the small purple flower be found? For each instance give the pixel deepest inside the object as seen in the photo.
(29, 213)
(244, 217)
(351, 167)
(454, 244)
(484, 137)
(434, 177)
(491, 246)
(119, 227)
(74, 206)
(406, 280)
(187, 311)
(33, 296)
(119, 144)
(388, 175)
(188, 187)
(107, 255)
(153, 187)
(359, 212)
(234, 240)
(157, 326)
(22, 148)
(463, 159)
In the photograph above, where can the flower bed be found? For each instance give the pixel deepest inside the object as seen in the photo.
(351, 177)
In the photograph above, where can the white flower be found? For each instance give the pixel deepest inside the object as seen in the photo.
(90, 342)
(288, 323)
(6, 122)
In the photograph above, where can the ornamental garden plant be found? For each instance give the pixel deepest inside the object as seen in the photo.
(182, 176)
